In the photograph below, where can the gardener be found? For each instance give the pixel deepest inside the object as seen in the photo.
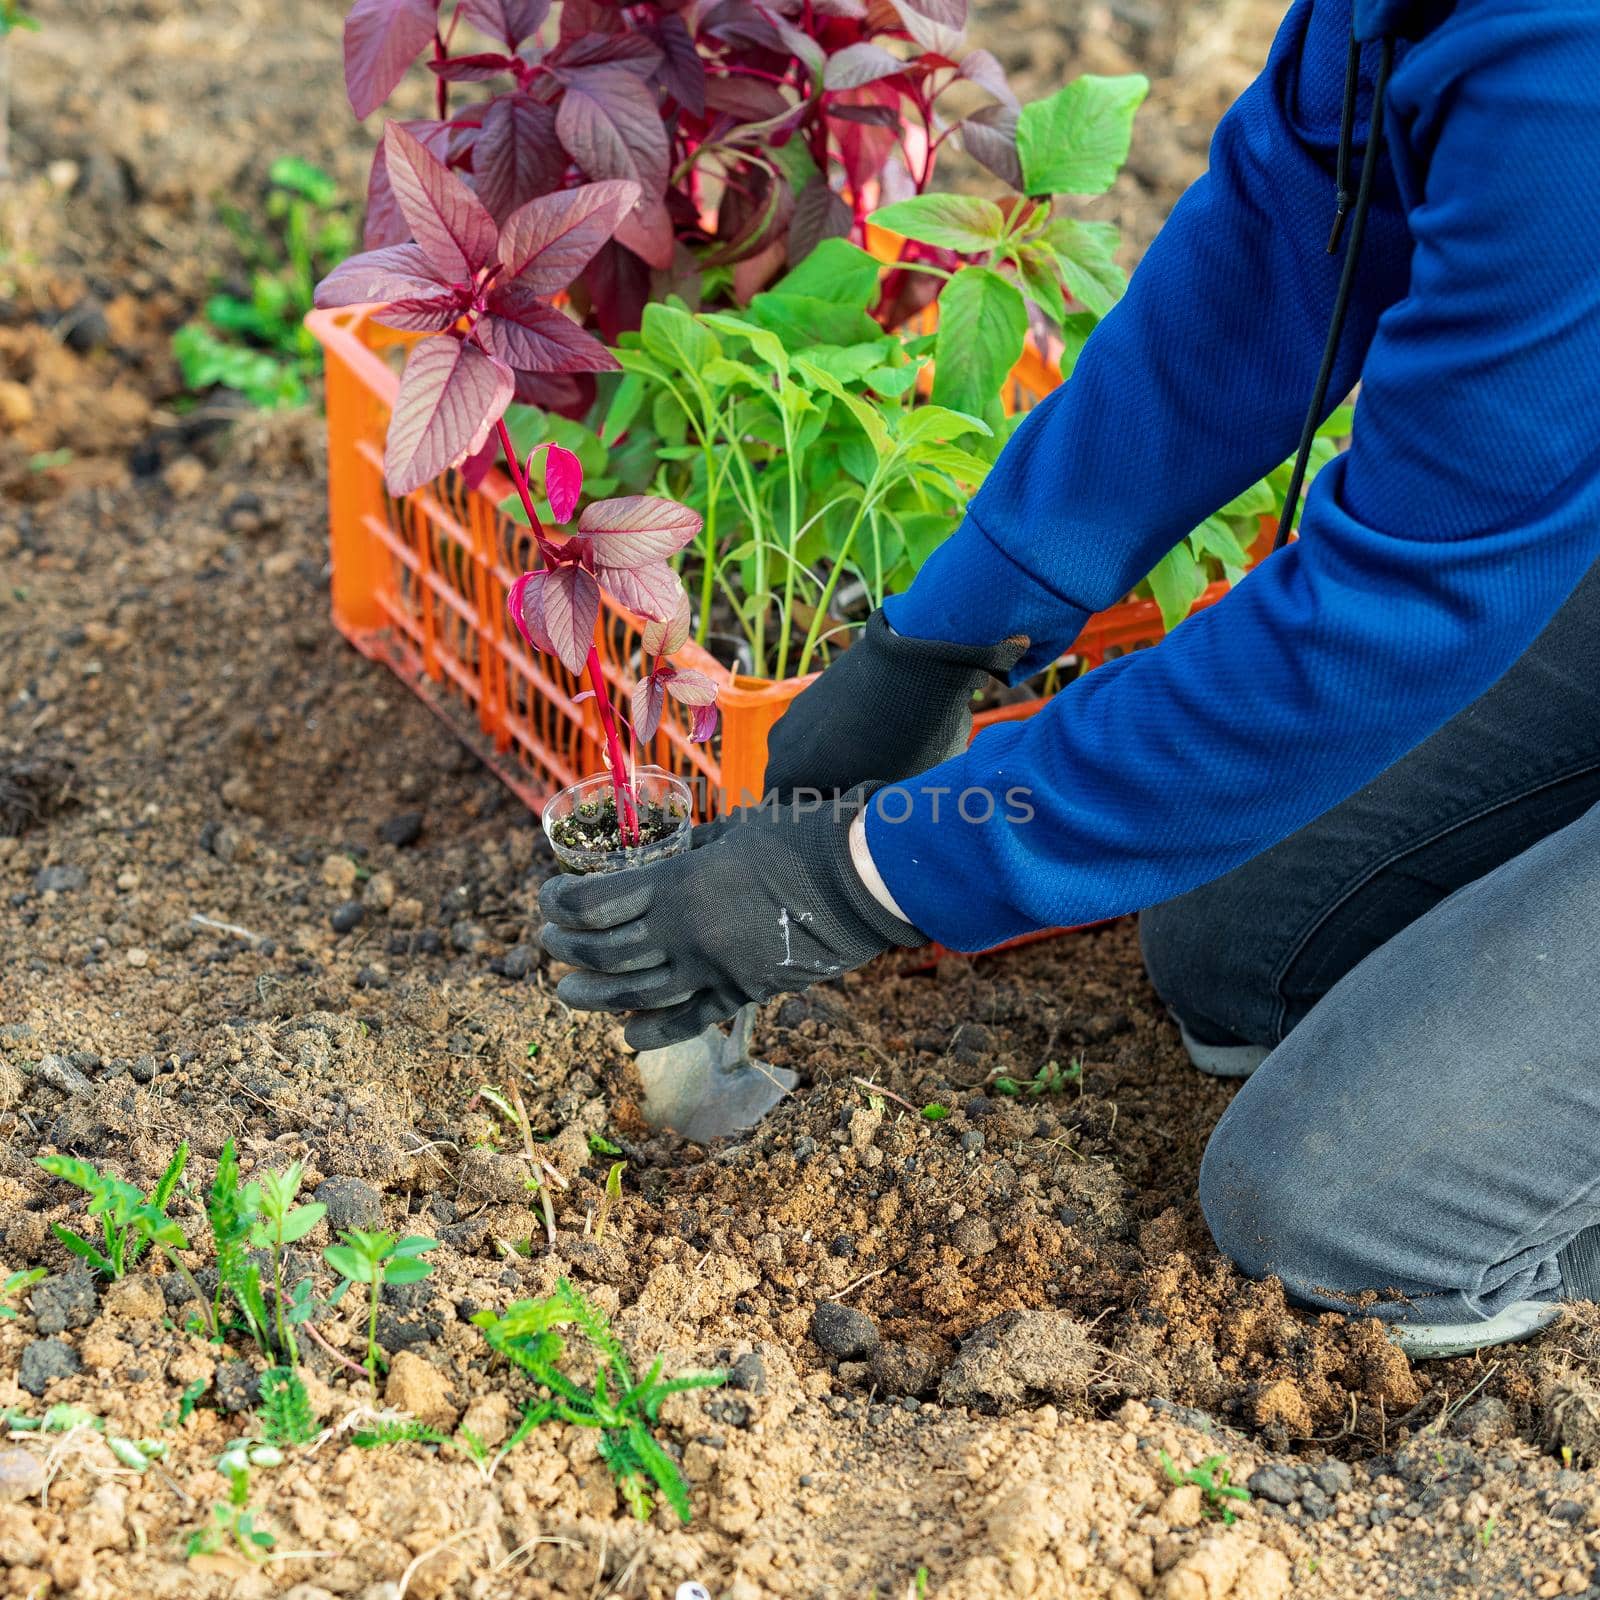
(1371, 774)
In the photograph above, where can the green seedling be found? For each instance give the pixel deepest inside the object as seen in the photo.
(15, 1287)
(935, 1112)
(258, 345)
(232, 1523)
(1051, 1078)
(376, 1259)
(1486, 1532)
(612, 1196)
(129, 1220)
(1211, 1477)
(282, 1223)
(599, 1145)
(624, 1409)
(541, 1174)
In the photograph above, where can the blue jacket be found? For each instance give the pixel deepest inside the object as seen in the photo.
(1431, 552)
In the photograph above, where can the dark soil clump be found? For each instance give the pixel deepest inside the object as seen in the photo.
(592, 826)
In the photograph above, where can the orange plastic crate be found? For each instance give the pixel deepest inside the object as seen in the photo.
(420, 583)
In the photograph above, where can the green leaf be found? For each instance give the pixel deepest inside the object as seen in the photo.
(836, 270)
(802, 321)
(983, 321)
(1256, 501)
(939, 423)
(405, 1270)
(81, 1248)
(349, 1263)
(966, 223)
(1086, 253)
(892, 382)
(676, 339)
(624, 407)
(865, 413)
(1215, 538)
(1040, 273)
(1339, 424)
(767, 346)
(850, 364)
(1076, 141)
(302, 1220)
(1177, 581)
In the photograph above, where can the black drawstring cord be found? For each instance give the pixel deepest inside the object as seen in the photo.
(1341, 299)
(1347, 129)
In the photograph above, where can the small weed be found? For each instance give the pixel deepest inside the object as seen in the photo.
(136, 1454)
(286, 1408)
(599, 1145)
(1486, 1532)
(395, 1431)
(232, 1523)
(15, 1287)
(1051, 1078)
(624, 1409)
(376, 1259)
(129, 1221)
(189, 1399)
(935, 1112)
(612, 1196)
(1211, 1477)
(511, 1106)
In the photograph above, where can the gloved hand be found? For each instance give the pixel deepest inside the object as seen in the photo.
(771, 906)
(885, 709)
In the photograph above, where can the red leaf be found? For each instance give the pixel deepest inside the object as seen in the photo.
(476, 467)
(526, 605)
(567, 394)
(508, 20)
(981, 67)
(651, 590)
(683, 70)
(563, 482)
(385, 223)
(516, 157)
(647, 231)
(691, 688)
(451, 394)
(447, 219)
(381, 39)
(989, 136)
(579, 17)
(619, 287)
(747, 99)
(610, 124)
(400, 272)
(702, 723)
(864, 149)
(819, 213)
(549, 241)
(638, 529)
(530, 336)
(429, 314)
(474, 69)
(631, 51)
(858, 64)
(942, 13)
(649, 696)
(867, 116)
(570, 601)
(664, 638)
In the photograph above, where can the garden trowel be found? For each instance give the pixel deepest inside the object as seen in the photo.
(709, 1087)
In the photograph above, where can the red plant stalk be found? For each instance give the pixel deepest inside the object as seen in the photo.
(621, 779)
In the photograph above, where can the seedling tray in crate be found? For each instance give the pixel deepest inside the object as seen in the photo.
(420, 583)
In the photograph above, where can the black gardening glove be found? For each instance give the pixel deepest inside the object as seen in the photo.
(771, 906)
(886, 709)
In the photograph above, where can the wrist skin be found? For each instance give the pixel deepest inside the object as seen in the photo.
(866, 869)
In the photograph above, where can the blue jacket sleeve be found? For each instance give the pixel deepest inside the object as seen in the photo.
(1193, 387)
(1431, 553)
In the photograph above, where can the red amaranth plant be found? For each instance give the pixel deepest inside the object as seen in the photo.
(622, 546)
(481, 290)
(752, 130)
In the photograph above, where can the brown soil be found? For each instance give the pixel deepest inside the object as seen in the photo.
(201, 786)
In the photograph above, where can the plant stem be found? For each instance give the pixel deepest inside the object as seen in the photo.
(214, 1330)
(627, 815)
(372, 1328)
(813, 633)
(285, 1333)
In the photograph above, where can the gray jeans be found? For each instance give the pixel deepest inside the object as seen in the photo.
(1425, 961)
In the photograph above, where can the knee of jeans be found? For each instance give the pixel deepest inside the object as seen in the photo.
(1267, 1212)
(1196, 956)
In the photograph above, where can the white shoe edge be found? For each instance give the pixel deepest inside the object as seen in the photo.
(1437, 1341)
(1223, 1060)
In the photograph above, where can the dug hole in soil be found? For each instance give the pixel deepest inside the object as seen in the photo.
(253, 891)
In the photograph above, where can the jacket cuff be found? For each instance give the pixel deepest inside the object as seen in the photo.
(970, 592)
